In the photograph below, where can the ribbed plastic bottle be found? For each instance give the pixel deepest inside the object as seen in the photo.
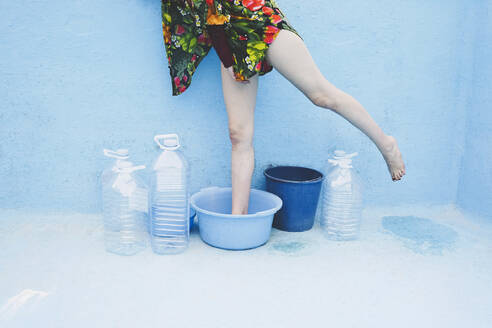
(169, 198)
(341, 198)
(125, 205)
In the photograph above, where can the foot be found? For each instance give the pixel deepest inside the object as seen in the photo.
(392, 156)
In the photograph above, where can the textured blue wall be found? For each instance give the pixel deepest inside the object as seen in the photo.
(475, 186)
(79, 76)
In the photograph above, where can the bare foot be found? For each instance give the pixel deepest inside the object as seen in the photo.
(392, 156)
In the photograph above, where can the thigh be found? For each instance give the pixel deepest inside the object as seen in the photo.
(240, 100)
(289, 55)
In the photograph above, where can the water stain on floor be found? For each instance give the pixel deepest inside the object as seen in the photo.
(289, 247)
(292, 247)
(422, 235)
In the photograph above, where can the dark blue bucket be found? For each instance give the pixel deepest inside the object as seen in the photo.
(299, 189)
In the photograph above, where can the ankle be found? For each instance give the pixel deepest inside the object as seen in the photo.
(387, 143)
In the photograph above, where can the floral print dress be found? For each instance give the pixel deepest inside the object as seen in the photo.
(250, 27)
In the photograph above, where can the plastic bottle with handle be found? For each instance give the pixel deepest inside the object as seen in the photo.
(169, 198)
(341, 198)
(125, 205)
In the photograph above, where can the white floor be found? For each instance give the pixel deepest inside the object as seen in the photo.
(54, 272)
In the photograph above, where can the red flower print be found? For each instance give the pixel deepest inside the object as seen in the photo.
(276, 19)
(267, 11)
(185, 78)
(270, 33)
(210, 2)
(180, 29)
(253, 5)
(268, 39)
(270, 29)
(258, 66)
(182, 88)
(243, 37)
(193, 58)
(176, 81)
(202, 38)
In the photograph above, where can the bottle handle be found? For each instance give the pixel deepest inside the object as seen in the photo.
(352, 155)
(129, 169)
(118, 154)
(162, 137)
(138, 167)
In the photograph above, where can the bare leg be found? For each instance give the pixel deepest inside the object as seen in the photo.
(240, 101)
(290, 57)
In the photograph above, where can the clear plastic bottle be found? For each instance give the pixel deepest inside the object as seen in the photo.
(125, 205)
(341, 199)
(169, 198)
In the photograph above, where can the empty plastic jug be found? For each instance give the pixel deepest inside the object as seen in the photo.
(125, 205)
(341, 198)
(169, 198)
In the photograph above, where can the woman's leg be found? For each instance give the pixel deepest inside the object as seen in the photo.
(290, 57)
(240, 101)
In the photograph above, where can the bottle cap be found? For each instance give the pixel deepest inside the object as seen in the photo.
(342, 159)
(339, 153)
(123, 164)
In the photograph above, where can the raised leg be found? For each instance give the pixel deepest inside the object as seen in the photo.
(240, 101)
(290, 57)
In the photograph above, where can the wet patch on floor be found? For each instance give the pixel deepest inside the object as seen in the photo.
(421, 235)
(289, 247)
(292, 247)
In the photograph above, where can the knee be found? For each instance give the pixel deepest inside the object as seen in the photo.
(325, 100)
(327, 96)
(241, 136)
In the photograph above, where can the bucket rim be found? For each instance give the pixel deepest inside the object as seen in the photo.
(315, 180)
(259, 214)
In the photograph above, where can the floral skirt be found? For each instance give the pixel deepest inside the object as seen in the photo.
(251, 27)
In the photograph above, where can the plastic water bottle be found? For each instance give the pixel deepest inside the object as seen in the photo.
(169, 198)
(125, 205)
(341, 198)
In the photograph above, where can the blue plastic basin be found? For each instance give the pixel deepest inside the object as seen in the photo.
(221, 229)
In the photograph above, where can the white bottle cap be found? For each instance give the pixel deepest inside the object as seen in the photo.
(339, 153)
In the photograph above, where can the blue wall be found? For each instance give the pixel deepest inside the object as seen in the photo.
(80, 76)
(475, 185)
